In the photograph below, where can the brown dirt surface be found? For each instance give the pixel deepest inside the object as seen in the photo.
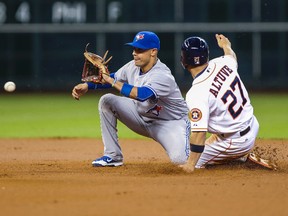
(54, 177)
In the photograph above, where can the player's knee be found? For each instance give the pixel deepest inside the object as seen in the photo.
(178, 158)
(105, 101)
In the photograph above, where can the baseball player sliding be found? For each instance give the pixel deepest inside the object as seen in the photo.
(151, 103)
(218, 103)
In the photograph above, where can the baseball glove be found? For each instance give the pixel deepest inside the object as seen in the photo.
(91, 69)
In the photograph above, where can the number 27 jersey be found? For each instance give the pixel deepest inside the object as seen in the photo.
(218, 101)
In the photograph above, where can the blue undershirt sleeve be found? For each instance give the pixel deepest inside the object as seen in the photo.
(94, 86)
(145, 93)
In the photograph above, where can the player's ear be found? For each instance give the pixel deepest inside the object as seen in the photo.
(154, 52)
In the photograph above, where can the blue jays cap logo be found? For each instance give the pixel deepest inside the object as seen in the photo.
(139, 37)
(145, 40)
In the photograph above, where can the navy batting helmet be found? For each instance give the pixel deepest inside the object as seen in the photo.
(194, 52)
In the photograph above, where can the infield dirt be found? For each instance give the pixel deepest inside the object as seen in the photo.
(54, 177)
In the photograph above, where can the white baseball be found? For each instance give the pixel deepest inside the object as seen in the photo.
(10, 86)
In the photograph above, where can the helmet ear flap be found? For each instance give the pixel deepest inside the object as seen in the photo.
(194, 52)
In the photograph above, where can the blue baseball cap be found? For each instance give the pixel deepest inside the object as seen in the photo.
(145, 40)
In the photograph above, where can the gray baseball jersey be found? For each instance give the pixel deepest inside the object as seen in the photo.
(169, 103)
(164, 119)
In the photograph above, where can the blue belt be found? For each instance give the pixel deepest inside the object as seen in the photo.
(242, 133)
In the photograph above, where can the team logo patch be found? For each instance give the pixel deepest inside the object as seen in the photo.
(155, 110)
(139, 37)
(195, 115)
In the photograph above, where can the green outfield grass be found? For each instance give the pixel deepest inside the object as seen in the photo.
(271, 112)
(59, 115)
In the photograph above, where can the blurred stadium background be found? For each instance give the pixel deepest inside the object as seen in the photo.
(42, 42)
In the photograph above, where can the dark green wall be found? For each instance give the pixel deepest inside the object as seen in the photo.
(45, 60)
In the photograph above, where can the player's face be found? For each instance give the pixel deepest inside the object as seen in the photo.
(144, 58)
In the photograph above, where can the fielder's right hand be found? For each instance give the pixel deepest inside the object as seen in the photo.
(79, 90)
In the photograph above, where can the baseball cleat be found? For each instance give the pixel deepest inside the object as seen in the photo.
(106, 161)
(260, 161)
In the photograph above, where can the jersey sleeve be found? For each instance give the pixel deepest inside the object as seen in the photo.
(198, 106)
(160, 83)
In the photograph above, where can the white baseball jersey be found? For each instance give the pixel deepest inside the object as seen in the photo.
(169, 103)
(218, 101)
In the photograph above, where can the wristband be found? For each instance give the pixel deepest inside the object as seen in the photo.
(115, 80)
(126, 89)
(196, 148)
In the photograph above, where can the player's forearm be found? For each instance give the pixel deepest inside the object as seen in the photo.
(197, 145)
(229, 51)
(114, 83)
(198, 137)
(225, 44)
(193, 159)
(125, 89)
(137, 93)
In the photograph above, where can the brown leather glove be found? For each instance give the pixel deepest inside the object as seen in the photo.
(91, 70)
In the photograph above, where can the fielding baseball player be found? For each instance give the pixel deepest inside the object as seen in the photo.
(151, 103)
(218, 103)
